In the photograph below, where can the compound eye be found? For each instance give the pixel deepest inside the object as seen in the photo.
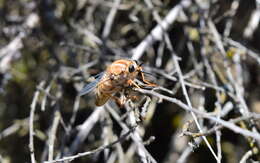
(131, 68)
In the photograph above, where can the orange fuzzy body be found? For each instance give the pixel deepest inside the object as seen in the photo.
(116, 77)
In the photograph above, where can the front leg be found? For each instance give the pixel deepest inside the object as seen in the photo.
(132, 83)
(145, 81)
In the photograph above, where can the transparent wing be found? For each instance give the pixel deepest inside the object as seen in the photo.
(89, 87)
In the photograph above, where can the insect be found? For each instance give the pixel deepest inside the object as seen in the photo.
(117, 77)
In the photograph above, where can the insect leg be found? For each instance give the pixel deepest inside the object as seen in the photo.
(145, 81)
(131, 82)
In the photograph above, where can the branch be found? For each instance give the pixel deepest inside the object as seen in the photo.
(226, 124)
(85, 128)
(157, 33)
(31, 132)
(99, 149)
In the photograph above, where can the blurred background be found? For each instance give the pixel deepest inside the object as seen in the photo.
(53, 47)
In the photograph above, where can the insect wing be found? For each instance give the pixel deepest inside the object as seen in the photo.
(89, 87)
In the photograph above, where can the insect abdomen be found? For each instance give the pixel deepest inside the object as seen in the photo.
(101, 98)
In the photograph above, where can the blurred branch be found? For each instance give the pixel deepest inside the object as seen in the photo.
(110, 19)
(31, 126)
(84, 130)
(253, 22)
(246, 156)
(250, 52)
(219, 127)
(18, 124)
(157, 33)
(52, 135)
(190, 106)
(12, 51)
(99, 149)
(232, 12)
(134, 136)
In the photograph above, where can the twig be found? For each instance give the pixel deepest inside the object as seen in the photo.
(31, 132)
(238, 82)
(87, 33)
(106, 134)
(15, 127)
(120, 153)
(219, 127)
(52, 134)
(186, 153)
(10, 130)
(239, 90)
(213, 80)
(112, 158)
(110, 19)
(157, 33)
(130, 153)
(12, 51)
(75, 110)
(253, 22)
(189, 104)
(246, 156)
(135, 137)
(132, 121)
(99, 149)
(169, 46)
(84, 130)
(248, 51)
(226, 124)
(44, 100)
(82, 47)
(47, 94)
(229, 23)
(85, 66)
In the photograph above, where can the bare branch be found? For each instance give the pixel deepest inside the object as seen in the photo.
(32, 112)
(205, 115)
(84, 130)
(99, 149)
(157, 33)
